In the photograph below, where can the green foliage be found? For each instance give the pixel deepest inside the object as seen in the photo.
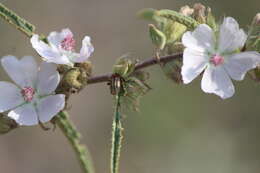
(134, 83)
(15, 20)
(189, 22)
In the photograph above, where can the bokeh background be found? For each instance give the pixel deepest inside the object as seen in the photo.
(179, 129)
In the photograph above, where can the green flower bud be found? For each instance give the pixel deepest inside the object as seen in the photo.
(211, 20)
(6, 124)
(124, 67)
(158, 38)
(253, 41)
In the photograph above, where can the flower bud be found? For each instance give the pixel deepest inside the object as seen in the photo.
(86, 67)
(199, 12)
(186, 10)
(6, 124)
(124, 67)
(211, 20)
(257, 19)
(158, 38)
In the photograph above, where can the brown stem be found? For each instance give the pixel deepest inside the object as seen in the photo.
(140, 65)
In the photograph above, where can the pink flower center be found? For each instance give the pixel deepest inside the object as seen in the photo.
(217, 60)
(28, 93)
(68, 43)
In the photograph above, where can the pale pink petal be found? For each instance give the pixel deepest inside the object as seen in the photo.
(201, 39)
(86, 50)
(10, 96)
(238, 64)
(216, 80)
(23, 72)
(25, 115)
(49, 53)
(48, 78)
(230, 36)
(50, 106)
(193, 64)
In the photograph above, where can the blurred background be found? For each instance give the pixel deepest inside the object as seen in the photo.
(179, 129)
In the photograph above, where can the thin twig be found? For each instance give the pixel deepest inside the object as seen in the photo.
(139, 66)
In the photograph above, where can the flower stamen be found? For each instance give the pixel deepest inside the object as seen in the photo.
(217, 60)
(28, 93)
(68, 43)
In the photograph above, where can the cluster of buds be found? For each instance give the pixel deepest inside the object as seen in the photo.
(128, 82)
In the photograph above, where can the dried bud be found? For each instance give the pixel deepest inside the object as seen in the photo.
(158, 38)
(6, 124)
(62, 68)
(186, 10)
(199, 12)
(257, 19)
(85, 66)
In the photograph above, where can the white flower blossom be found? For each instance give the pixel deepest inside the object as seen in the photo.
(218, 55)
(61, 48)
(32, 100)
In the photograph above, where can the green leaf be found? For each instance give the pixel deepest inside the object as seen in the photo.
(189, 22)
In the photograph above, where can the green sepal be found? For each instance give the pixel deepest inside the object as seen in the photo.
(158, 37)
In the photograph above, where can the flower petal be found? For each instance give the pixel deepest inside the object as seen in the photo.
(216, 80)
(48, 78)
(86, 50)
(230, 36)
(23, 72)
(50, 106)
(10, 96)
(49, 53)
(24, 115)
(193, 64)
(238, 64)
(55, 38)
(201, 39)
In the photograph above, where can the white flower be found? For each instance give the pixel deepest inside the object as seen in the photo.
(61, 48)
(32, 99)
(217, 55)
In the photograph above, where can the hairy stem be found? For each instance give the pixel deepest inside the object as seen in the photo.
(144, 64)
(16, 21)
(116, 137)
(73, 136)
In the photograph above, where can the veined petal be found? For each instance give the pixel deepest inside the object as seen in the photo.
(23, 72)
(193, 64)
(49, 53)
(24, 115)
(48, 78)
(238, 64)
(86, 50)
(216, 80)
(230, 36)
(10, 96)
(201, 39)
(50, 106)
